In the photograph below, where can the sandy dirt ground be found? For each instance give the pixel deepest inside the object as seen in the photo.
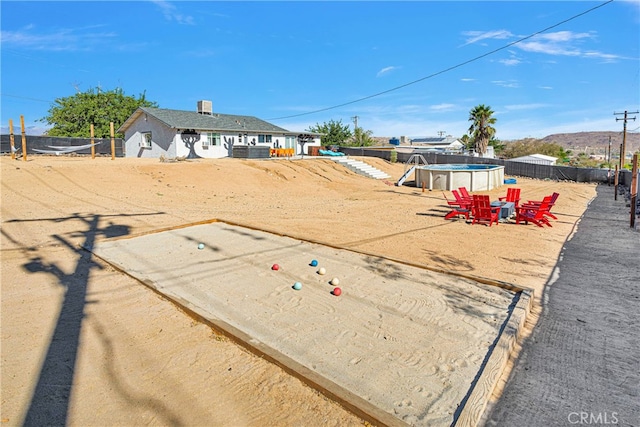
(99, 348)
(402, 339)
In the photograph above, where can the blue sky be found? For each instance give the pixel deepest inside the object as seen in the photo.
(298, 63)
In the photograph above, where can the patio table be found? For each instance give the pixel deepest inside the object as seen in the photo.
(506, 208)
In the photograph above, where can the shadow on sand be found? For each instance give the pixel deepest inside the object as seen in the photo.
(50, 401)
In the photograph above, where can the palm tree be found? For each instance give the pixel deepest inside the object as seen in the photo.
(467, 141)
(481, 130)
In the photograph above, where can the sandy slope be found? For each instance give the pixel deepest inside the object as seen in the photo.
(134, 359)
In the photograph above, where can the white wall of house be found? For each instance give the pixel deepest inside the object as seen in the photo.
(204, 146)
(162, 139)
(169, 142)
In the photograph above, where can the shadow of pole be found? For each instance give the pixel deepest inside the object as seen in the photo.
(51, 398)
(50, 401)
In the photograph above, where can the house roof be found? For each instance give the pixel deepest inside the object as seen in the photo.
(435, 140)
(536, 157)
(180, 119)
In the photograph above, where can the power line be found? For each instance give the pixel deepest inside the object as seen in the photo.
(447, 69)
(24, 97)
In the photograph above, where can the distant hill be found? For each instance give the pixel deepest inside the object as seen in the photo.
(594, 141)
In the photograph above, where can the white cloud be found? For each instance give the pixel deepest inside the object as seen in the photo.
(442, 107)
(65, 39)
(477, 36)
(506, 83)
(386, 70)
(564, 36)
(607, 57)
(549, 48)
(170, 13)
(510, 62)
(566, 43)
(33, 129)
(559, 43)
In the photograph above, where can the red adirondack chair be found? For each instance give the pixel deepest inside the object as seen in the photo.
(513, 195)
(534, 213)
(456, 211)
(458, 206)
(464, 193)
(459, 200)
(551, 200)
(483, 212)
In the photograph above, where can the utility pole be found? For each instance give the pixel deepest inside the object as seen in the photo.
(441, 133)
(624, 134)
(355, 128)
(609, 163)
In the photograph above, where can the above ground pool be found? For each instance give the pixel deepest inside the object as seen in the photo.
(452, 176)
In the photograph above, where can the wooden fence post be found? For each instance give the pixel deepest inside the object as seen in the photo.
(621, 159)
(113, 143)
(24, 140)
(11, 140)
(615, 184)
(634, 190)
(93, 147)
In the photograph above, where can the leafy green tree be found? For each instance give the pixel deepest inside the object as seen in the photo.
(73, 115)
(582, 160)
(481, 129)
(498, 146)
(527, 146)
(335, 133)
(467, 141)
(362, 138)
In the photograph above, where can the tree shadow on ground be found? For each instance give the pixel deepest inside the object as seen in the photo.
(384, 267)
(448, 262)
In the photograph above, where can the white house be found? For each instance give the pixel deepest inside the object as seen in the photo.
(442, 143)
(539, 159)
(437, 144)
(152, 132)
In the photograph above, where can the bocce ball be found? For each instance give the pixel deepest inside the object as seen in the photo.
(314, 262)
(321, 270)
(337, 291)
(201, 246)
(335, 281)
(275, 267)
(297, 286)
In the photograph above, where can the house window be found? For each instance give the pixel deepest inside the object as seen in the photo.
(211, 139)
(145, 140)
(264, 139)
(290, 142)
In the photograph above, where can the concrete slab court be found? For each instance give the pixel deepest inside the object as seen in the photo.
(401, 345)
